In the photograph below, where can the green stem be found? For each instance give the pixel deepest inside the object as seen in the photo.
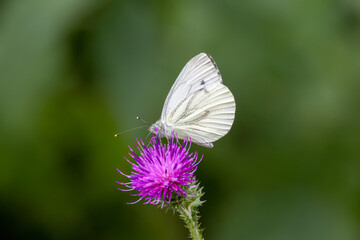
(189, 214)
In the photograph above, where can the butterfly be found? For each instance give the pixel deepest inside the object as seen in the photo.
(198, 105)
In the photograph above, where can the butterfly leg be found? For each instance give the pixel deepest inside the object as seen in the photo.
(147, 137)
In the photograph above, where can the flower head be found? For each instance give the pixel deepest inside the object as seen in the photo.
(161, 170)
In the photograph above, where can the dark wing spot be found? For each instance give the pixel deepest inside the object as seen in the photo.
(202, 82)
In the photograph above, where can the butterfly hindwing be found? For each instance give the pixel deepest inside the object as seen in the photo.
(205, 116)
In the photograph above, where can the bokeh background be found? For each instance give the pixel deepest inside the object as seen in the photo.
(73, 73)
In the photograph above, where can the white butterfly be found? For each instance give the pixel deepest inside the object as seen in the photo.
(198, 105)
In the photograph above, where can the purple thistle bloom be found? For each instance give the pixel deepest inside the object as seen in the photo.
(160, 170)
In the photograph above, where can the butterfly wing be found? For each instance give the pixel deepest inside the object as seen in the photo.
(199, 72)
(205, 116)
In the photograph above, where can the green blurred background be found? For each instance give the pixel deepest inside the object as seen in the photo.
(73, 73)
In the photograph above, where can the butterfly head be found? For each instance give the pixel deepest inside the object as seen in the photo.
(158, 128)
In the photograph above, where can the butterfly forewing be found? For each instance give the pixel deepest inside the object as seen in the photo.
(199, 72)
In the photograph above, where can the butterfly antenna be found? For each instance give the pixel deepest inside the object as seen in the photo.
(139, 118)
(116, 135)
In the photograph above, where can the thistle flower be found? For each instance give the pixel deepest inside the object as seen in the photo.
(161, 170)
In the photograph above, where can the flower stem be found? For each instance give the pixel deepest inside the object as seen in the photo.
(188, 214)
(187, 208)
